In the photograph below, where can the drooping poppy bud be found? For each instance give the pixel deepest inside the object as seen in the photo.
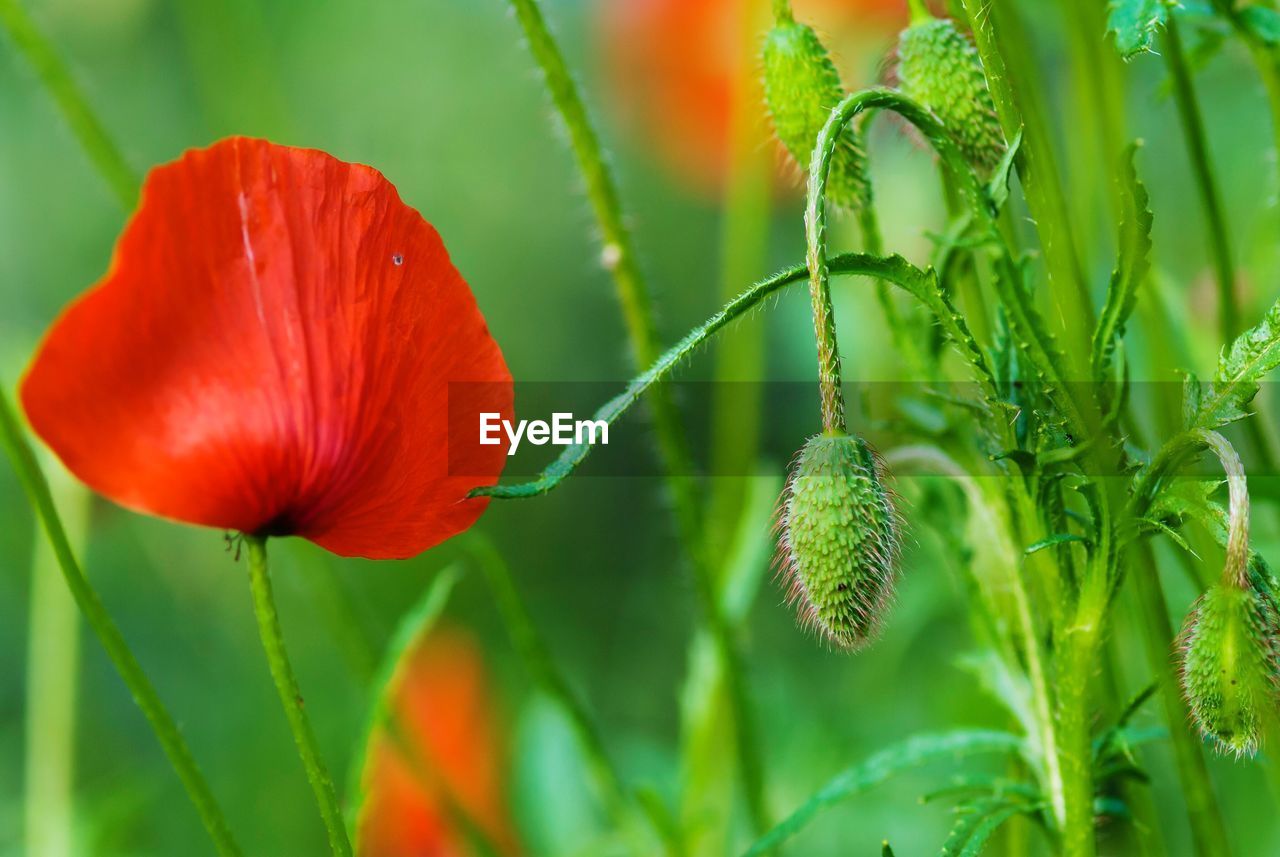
(1229, 661)
(839, 544)
(801, 87)
(281, 346)
(939, 67)
(435, 769)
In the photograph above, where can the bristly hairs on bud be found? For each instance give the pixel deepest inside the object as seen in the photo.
(1229, 660)
(939, 67)
(839, 539)
(802, 86)
(1229, 648)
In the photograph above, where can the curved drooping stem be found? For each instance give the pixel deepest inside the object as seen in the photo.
(1174, 455)
(104, 627)
(264, 608)
(893, 269)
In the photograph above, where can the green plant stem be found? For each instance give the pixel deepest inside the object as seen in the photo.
(1003, 56)
(892, 269)
(620, 257)
(53, 669)
(264, 608)
(104, 627)
(618, 249)
(53, 73)
(824, 315)
(1193, 131)
(1208, 830)
(1075, 664)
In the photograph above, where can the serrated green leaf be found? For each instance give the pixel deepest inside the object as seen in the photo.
(1132, 264)
(1262, 22)
(915, 750)
(1241, 369)
(1135, 24)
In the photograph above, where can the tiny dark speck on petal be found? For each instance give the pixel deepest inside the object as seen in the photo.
(398, 259)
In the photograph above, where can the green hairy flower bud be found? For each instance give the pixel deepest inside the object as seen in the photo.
(801, 88)
(839, 546)
(939, 67)
(1228, 652)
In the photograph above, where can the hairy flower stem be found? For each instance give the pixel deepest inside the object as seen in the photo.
(1077, 650)
(264, 608)
(893, 269)
(53, 73)
(1193, 131)
(104, 627)
(1003, 55)
(824, 316)
(633, 294)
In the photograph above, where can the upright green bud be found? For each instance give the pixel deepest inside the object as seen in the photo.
(839, 547)
(801, 87)
(939, 68)
(1228, 653)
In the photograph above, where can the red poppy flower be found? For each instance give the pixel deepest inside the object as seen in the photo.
(445, 755)
(276, 349)
(674, 65)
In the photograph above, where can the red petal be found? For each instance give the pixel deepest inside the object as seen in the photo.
(272, 352)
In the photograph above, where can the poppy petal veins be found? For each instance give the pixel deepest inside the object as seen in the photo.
(279, 347)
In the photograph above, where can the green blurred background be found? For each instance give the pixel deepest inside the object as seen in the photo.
(442, 97)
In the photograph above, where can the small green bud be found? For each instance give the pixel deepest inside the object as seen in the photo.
(801, 87)
(940, 68)
(839, 547)
(1228, 653)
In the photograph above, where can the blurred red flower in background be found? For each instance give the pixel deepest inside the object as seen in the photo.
(442, 762)
(271, 352)
(674, 65)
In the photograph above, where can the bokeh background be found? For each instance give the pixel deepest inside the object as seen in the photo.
(442, 96)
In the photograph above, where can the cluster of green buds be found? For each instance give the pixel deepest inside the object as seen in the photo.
(802, 86)
(939, 67)
(1229, 660)
(840, 540)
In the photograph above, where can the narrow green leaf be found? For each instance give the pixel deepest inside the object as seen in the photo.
(998, 189)
(914, 751)
(1262, 22)
(1053, 541)
(1135, 24)
(1133, 263)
